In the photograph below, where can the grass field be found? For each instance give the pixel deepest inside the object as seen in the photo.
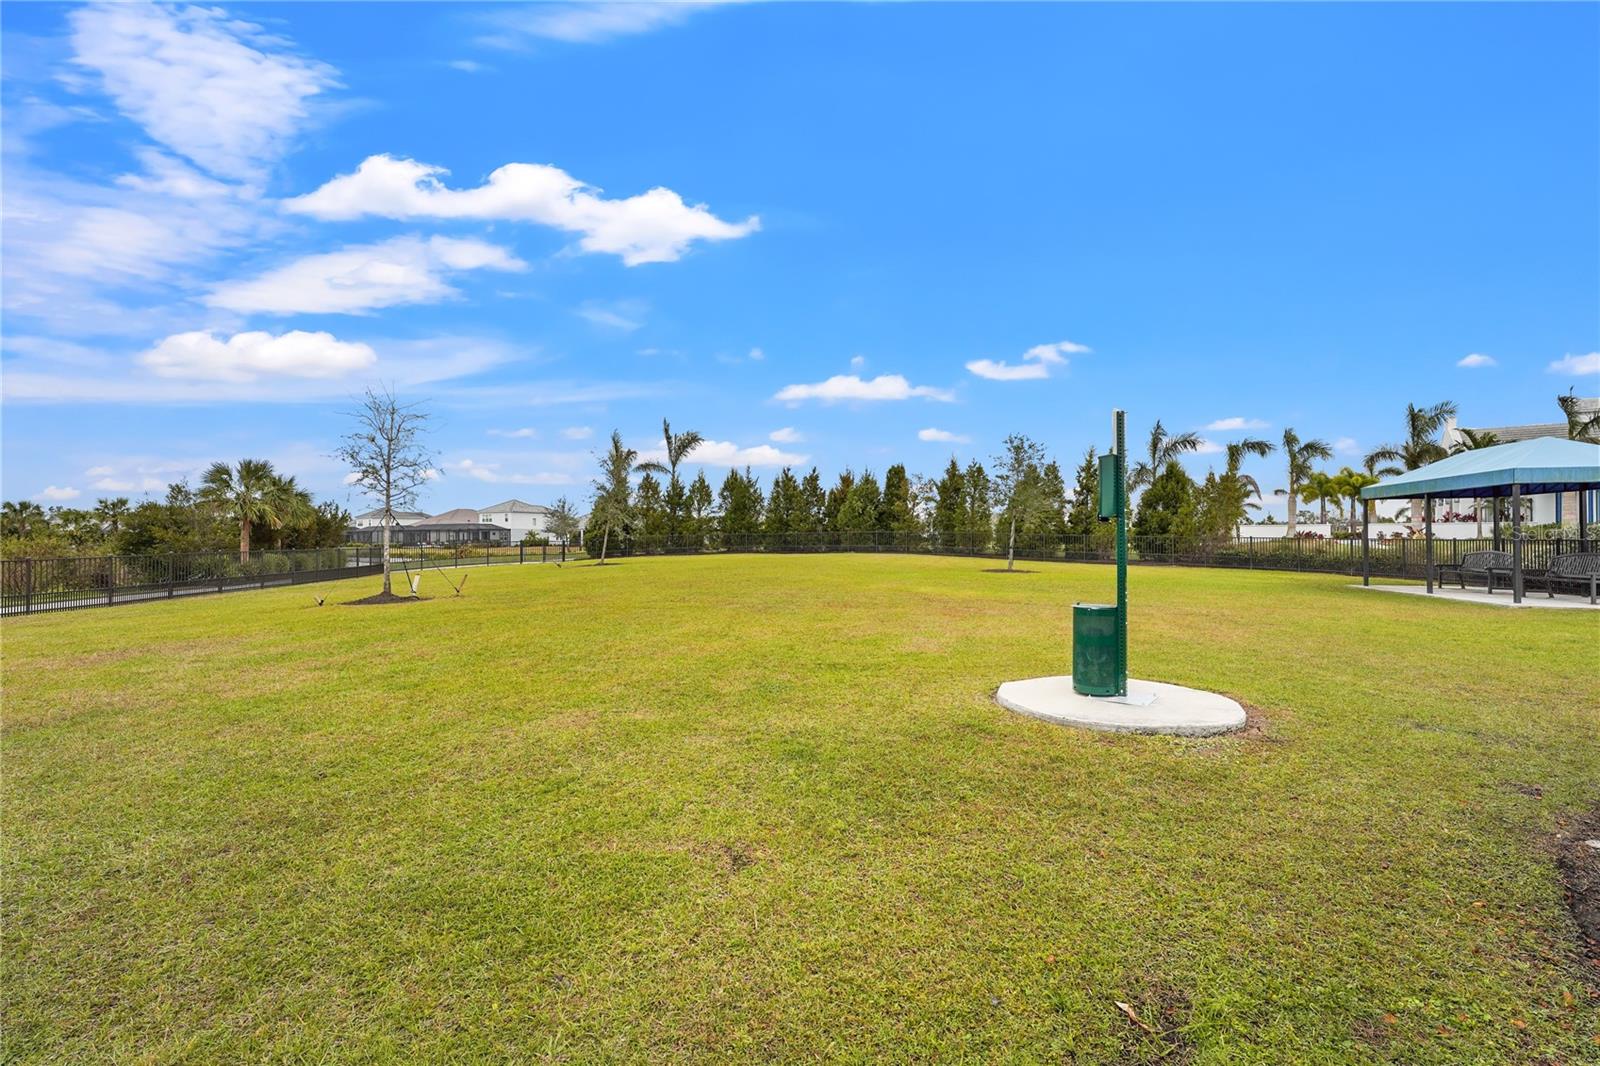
(764, 808)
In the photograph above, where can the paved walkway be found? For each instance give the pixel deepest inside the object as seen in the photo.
(1501, 597)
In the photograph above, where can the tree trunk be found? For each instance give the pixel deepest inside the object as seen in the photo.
(1323, 513)
(605, 539)
(244, 540)
(387, 519)
(1011, 546)
(1294, 498)
(1417, 516)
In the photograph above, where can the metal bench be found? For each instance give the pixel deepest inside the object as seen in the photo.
(1487, 563)
(1581, 569)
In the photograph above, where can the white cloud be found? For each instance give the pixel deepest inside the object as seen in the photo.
(583, 23)
(216, 90)
(786, 435)
(626, 316)
(1346, 446)
(494, 474)
(577, 433)
(56, 494)
(1209, 447)
(201, 355)
(1577, 365)
(1475, 359)
(111, 484)
(360, 278)
(858, 362)
(943, 436)
(1036, 363)
(842, 387)
(756, 355)
(1223, 425)
(98, 471)
(470, 66)
(525, 433)
(727, 453)
(652, 227)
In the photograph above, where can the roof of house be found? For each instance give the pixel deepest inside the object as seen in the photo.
(399, 516)
(450, 518)
(516, 507)
(1545, 464)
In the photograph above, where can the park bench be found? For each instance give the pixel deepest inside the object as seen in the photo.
(1581, 569)
(1486, 563)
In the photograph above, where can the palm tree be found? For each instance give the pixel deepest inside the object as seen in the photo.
(679, 445)
(1251, 488)
(1581, 425)
(110, 513)
(1471, 440)
(1348, 484)
(1300, 455)
(1421, 445)
(1164, 448)
(19, 517)
(614, 490)
(1319, 489)
(249, 493)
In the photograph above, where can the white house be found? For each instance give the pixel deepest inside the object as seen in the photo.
(1549, 508)
(519, 517)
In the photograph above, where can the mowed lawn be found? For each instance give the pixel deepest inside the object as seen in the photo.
(757, 808)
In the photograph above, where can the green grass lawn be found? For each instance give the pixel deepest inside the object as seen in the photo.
(760, 807)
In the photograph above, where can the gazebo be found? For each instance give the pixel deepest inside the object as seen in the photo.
(1522, 468)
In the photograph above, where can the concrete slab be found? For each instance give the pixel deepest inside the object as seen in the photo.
(1152, 707)
(1501, 597)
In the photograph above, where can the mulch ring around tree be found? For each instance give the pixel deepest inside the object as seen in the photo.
(1577, 848)
(384, 597)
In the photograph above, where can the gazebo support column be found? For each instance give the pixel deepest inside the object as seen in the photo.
(1427, 536)
(1583, 520)
(1496, 530)
(1366, 564)
(1516, 543)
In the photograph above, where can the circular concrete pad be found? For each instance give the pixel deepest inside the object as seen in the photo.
(1149, 707)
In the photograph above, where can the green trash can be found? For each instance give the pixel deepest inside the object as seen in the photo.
(1094, 649)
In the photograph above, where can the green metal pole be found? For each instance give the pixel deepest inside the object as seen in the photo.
(1122, 553)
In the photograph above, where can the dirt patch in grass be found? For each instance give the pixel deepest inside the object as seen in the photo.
(384, 597)
(1003, 570)
(1156, 1017)
(1579, 864)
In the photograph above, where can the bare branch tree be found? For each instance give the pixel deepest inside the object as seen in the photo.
(387, 458)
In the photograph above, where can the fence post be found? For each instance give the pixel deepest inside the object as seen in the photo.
(563, 550)
(27, 595)
(522, 554)
(111, 579)
(172, 574)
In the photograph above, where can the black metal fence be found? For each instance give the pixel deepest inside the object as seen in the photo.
(1392, 557)
(30, 585)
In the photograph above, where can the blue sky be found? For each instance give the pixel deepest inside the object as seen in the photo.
(840, 235)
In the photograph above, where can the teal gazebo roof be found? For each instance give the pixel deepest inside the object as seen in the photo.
(1540, 465)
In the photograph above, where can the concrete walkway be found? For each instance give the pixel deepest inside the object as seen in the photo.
(1501, 597)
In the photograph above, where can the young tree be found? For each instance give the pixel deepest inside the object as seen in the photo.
(1583, 419)
(388, 458)
(1319, 489)
(1299, 455)
(785, 505)
(1018, 487)
(741, 505)
(649, 510)
(950, 502)
(111, 513)
(897, 515)
(563, 523)
(700, 504)
(1084, 517)
(815, 511)
(835, 499)
(1419, 448)
(1171, 491)
(613, 491)
(1049, 522)
(21, 518)
(977, 524)
(861, 507)
(252, 493)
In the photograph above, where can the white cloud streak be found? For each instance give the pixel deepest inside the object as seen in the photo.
(583, 23)
(727, 453)
(200, 355)
(1035, 365)
(1224, 425)
(363, 278)
(1475, 360)
(216, 90)
(1577, 365)
(851, 387)
(652, 227)
(786, 435)
(942, 436)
